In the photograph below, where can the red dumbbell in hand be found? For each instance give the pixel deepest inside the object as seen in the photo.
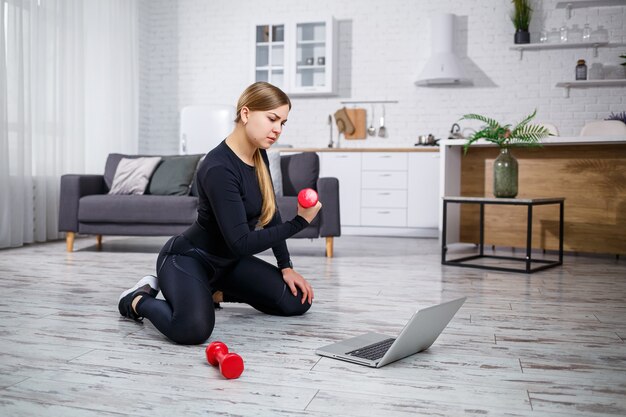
(231, 364)
(307, 197)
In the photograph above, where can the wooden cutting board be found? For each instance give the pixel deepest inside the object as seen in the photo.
(359, 120)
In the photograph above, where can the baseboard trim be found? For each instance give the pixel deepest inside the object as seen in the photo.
(390, 231)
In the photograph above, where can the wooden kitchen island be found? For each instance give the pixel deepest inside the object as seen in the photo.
(590, 172)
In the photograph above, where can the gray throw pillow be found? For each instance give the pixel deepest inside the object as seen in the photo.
(132, 175)
(194, 181)
(174, 175)
(277, 175)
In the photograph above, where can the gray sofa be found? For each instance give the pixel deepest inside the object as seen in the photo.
(87, 208)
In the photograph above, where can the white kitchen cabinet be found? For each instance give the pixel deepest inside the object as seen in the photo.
(385, 193)
(386, 180)
(383, 202)
(299, 57)
(423, 190)
(384, 217)
(384, 161)
(269, 54)
(380, 198)
(346, 167)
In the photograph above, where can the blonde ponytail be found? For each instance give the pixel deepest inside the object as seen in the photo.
(268, 207)
(263, 96)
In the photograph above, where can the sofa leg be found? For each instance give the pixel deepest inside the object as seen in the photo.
(99, 242)
(69, 241)
(329, 247)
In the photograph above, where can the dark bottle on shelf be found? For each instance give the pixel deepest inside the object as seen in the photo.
(581, 70)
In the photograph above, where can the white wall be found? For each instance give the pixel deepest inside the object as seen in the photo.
(199, 52)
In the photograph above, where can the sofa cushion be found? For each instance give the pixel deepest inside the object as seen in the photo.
(300, 171)
(111, 166)
(275, 172)
(156, 209)
(174, 175)
(133, 174)
(194, 180)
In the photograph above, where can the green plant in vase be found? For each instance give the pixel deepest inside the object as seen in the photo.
(505, 167)
(521, 15)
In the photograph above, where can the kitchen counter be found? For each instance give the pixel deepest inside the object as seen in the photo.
(552, 140)
(364, 149)
(589, 171)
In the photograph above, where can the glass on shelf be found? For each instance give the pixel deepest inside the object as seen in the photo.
(575, 34)
(600, 35)
(554, 36)
(263, 33)
(278, 33)
(596, 71)
(309, 54)
(587, 33)
(563, 33)
(262, 56)
(543, 36)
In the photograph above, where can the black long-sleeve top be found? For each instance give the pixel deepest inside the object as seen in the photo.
(230, 206)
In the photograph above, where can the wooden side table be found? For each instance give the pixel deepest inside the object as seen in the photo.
(528, 261)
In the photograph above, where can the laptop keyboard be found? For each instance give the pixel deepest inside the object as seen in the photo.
(373, 351)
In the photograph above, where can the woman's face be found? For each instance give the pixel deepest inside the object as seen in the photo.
(264, 127)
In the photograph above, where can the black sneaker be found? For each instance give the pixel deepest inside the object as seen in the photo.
(147, 285)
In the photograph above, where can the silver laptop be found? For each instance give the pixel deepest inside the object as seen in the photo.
(376, 350)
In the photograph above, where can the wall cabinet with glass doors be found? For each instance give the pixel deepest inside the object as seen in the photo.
(298, 57)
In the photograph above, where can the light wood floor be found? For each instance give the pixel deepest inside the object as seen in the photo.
(546, 344)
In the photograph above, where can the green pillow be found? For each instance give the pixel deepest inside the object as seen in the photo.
(174, 175)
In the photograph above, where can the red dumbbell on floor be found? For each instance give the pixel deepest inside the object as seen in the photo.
(307, 197)
(231, 364)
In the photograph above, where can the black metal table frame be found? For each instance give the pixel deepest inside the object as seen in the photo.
(529, 229)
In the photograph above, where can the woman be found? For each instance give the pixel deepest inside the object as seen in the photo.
(237, 217)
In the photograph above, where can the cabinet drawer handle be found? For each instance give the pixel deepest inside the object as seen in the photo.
(385, 175)
(385, 156)
(383, 212)
(384, 193)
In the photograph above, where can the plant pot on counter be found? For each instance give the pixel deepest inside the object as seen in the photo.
(522, 36)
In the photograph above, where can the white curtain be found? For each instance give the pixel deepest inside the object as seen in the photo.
(45, 99)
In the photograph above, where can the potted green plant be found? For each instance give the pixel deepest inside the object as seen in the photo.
(505, 167)
(522, 12)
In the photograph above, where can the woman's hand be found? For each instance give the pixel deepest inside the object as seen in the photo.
(309, 213)
(294, 281)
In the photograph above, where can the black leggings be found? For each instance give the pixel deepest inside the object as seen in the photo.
(188, 277)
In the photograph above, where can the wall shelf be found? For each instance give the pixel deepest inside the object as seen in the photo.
(565, 45)
(579, 4)
(590, 83)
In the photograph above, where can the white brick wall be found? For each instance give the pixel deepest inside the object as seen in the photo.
(199, 52)
(144, 43)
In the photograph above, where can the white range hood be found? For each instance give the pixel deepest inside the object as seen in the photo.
(443, 67)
